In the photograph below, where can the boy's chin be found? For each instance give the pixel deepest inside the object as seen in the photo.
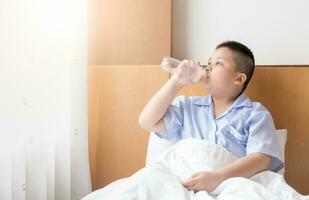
(207, 87)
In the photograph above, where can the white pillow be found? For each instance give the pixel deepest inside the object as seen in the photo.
(156, 146)
(282, 137)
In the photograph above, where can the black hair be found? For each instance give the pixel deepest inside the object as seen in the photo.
(244, 59)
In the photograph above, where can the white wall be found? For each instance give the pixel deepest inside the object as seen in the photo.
(43, 99)
(276, 31)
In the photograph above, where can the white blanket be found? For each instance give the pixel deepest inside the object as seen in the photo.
(161, 180)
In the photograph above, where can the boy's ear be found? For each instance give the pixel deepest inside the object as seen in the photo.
(240, 79)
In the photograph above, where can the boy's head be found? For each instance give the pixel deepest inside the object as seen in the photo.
(232, 65)
(244, 59)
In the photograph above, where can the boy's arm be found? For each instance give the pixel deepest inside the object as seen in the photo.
(150, 118)
(244, 167)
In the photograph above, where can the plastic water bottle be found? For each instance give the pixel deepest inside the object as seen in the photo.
(170, 65)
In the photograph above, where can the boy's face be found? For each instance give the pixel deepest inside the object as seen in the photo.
(222, 77)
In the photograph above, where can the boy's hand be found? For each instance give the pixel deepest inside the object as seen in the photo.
(188, 73)
(203, 181)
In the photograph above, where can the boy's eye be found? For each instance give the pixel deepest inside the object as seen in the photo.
(218, 63)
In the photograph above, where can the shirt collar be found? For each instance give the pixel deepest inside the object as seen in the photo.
(203, 101)
(242, 101)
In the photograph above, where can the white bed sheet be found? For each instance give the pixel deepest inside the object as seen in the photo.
(161, 179)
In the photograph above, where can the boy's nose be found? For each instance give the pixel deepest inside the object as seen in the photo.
(208, 68)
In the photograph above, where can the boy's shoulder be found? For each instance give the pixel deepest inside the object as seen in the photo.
(253, 107)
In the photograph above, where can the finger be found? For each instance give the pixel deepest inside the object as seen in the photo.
(195, 174)
(190, 63)
(191, 188)
(197, 63)
(183, 64)
(194, 188)
(189, 183)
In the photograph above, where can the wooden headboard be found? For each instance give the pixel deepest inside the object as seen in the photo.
(117, 95)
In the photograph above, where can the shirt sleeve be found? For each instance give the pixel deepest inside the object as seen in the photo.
(263, 139)
(173, 119)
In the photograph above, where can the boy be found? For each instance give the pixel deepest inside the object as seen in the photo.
(225, 117)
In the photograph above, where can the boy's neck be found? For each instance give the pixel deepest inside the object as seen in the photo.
(221, 105)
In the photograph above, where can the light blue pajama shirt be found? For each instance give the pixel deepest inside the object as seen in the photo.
(244, 128)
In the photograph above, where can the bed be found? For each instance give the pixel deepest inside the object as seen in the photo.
(282, 89)
(169, 163)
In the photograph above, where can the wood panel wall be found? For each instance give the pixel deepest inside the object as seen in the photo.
(117, 95)
(126, 32)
